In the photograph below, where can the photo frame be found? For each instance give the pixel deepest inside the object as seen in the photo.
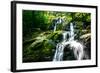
(48, 36)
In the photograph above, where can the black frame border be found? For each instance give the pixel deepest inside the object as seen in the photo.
(13, 34)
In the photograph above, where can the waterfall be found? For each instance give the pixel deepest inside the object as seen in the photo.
(55, 28)
(65, 34)
(59, 52)
(77, 47)
(71, 32)
(60, 48)
(56, 22)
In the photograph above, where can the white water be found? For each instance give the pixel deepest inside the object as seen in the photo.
(54, 28)
(59, 52)
(59, 21)
(77, 50)
(74, 45)
(71, 32)
(65, 34)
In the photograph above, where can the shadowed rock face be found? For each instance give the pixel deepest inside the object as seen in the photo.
(86, 38)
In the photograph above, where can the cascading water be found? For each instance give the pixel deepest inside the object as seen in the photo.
(71, 32)
(74, 45)
(59, 52)
(65, 34)
(55, 28)
(56, 22)
(78, 50)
